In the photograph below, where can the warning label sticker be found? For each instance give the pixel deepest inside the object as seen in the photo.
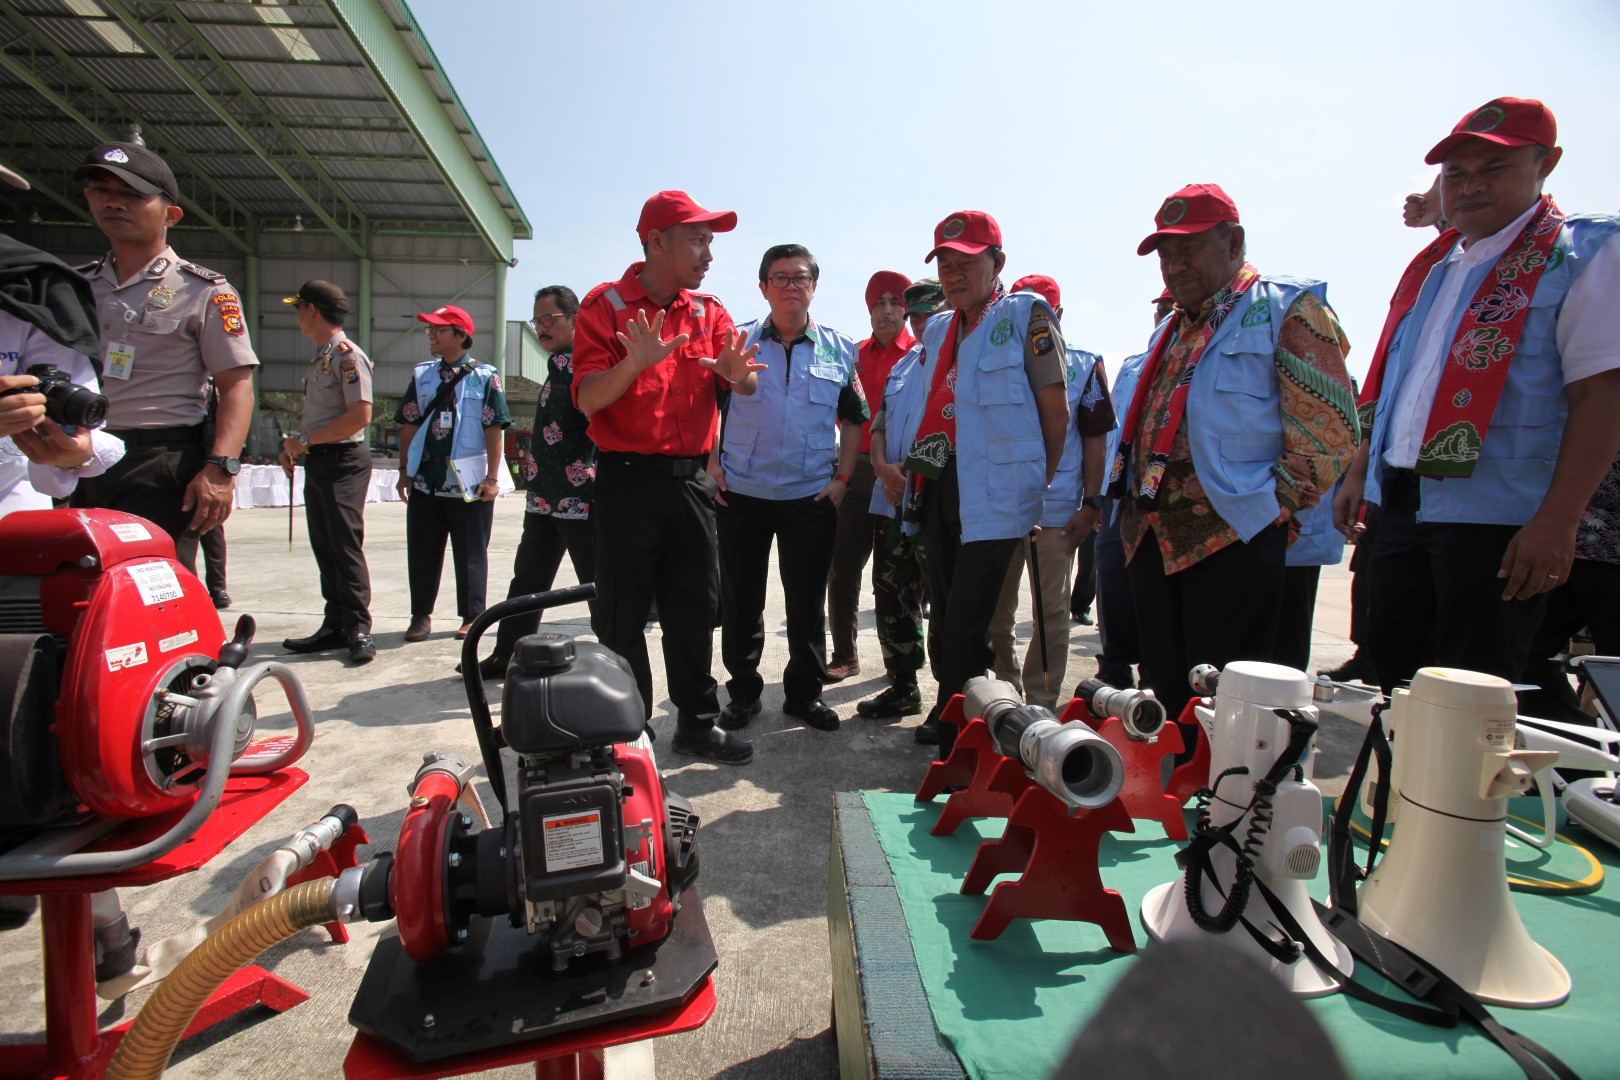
(573, 840)
(130, 531)
(126, 656)
(156, 582)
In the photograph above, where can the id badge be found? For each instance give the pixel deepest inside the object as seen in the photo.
(446, 418)
(120, 360)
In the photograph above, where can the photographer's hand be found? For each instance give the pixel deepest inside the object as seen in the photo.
(48, 444)
(19, 412)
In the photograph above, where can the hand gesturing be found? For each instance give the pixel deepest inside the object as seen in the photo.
(643, 342)
(734, 364)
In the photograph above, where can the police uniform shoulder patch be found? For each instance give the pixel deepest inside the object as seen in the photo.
(203, 272)
(349, 370)
(345, 347)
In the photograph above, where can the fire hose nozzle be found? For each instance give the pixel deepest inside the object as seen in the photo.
(1142, 713)
(1204, 679)
(1071, 761)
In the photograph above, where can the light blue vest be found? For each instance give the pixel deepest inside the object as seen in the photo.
(469, 407)
(904, 396)
(1063, 494)
(781, 442)
(1515, 464)
(1234, 406)
(1319, 543)
(1000, 454)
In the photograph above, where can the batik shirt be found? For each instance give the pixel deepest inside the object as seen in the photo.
(560, 467)
(1186, 525)
(1598, 537)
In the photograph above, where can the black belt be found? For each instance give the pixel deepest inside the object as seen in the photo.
(320, 449)
(158, 436)
(658, 463)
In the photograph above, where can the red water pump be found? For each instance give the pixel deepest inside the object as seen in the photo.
(125, 699)
(577, 907)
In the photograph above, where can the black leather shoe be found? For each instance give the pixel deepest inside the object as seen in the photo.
(493, 666)
(221, 598)
(818, 714)
(706, 741)
(1083, 618)
(735, 716)
(362, 649)
(323, 640)
(895, 701)
(927, 733)
(1356, 669)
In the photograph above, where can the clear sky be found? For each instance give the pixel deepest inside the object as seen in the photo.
(854, 127)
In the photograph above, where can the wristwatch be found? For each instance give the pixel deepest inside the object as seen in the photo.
(1093, 502)
(229, 464)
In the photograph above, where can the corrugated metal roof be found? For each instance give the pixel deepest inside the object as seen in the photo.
(252, 133)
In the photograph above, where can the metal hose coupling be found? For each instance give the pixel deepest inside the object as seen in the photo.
(1142, 714)
(146, 1048)
(1071, 761)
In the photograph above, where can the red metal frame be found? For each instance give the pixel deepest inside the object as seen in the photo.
(1143, 793)
(1192, 774)
(576, 1055)
(72, 1047)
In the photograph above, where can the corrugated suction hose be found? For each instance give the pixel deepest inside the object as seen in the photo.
(146, 1048)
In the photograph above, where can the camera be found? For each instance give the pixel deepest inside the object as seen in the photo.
(66, 402)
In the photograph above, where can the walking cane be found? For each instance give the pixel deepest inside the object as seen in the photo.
(290, 473)
(1040, 610)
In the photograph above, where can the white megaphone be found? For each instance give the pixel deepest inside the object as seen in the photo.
(1441, 889)
(1262, 727)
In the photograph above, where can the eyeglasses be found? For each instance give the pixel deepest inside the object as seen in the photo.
(797, 281)
(437, 328)
(544, 322)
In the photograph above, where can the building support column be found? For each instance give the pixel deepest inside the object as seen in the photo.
(499, 337)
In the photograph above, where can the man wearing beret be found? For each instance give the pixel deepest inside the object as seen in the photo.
(1242, 418)
(1070, 515)
(985, 436)
(337, 470)
(859, 530)
(899, 579)
(1497, 387)
(653, 402)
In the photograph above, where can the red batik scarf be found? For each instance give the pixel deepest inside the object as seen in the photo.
(1476, 367)
(1147, 485)
(931, 450)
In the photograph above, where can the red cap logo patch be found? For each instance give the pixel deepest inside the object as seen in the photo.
(952, 228)
(1486, 119)
(1172, 211)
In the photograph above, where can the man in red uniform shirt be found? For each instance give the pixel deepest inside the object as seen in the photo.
(859, 530)
(653, 403)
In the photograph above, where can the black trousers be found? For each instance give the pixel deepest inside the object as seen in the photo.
(1116, 612)
(655, 539)
(1436, 599)
(429, 521)
(1589, 599)
(803, 530)
(534, 569)
(859, 538)
(1295, 616)
(1221, 608)
(336, 482)
(214, 553)
(1362, 578)
(150, 482)
(964, 583)
(1085, 577)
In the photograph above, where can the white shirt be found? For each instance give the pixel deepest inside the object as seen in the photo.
(1588, 332)
(23, 484)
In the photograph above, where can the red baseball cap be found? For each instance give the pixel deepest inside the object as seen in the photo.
(1193, 209)
(670, 208)
(886, 281)
(449, 315)
(969, 231)
(1043, 285)
(1507, 121)
(1164, 297)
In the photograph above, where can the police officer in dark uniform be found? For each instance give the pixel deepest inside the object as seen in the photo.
(337, 470)
(166, 326)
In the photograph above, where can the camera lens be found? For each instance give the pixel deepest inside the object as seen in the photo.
(74, 406)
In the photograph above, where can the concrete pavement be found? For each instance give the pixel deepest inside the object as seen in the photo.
(763, 836)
